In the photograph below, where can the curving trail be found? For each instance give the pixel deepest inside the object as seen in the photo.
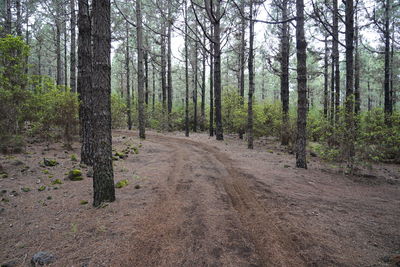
(207, 215)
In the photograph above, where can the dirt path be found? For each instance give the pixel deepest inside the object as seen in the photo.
(207, 215)
(199, 202)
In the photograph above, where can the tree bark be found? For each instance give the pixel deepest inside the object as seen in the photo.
(203, 88)
(335, 55)
(72, 74)
(251, 82)
(195, 82)
(85, 82)
(217, 72)
(211, 125)
(140, 71)
(18, 24)
(349, 114)
(388, 102)
(284, 58)
(169, 63)
(8, 21)
(186, 74)
(357, 98)
(128, 79)
(242, 58)
(103, 176)
(58, 42)
(326, 66)
(301, 51)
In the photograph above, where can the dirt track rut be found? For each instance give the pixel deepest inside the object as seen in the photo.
(207, 215)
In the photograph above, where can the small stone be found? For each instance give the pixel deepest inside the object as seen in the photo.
(42, 258)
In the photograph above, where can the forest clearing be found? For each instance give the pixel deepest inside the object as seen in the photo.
(200, 202)
(199, 133)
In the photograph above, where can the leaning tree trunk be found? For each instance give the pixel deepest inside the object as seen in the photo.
(103, 176)
(301, 47)
(140, 54)
(85, 82)
(285, 75)
(195, 82)
(8, 20)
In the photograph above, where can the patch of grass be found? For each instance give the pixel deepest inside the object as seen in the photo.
(50, 162)
(42, 188)
(83, 202)
(46, 171)
(3, 175)
(286, 166)
(121, 183)
(75, 175)
(74, 157)
(25, 189)
(49, 198)
(137, 186)
(56, 181)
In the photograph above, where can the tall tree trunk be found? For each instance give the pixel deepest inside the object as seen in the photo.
(335, 51)
(163, 66)
(357, 98)
(128, 79)
(219, 133)
(72, 74)
(301, 51)
(242, 58)
(326, 66)
(332, 109)
(211, 125)
(195, 82)
(146, 76)
(153, 96)
(103, 176)
(387, 103)
(186, 74)
(203, 88)
(169, 63)
(140, 71)
(58, 44)
(349, 114)
(85, 82)
(285, 74)
(251, 82)
(18, 24)
(65, 53)
(8, 22)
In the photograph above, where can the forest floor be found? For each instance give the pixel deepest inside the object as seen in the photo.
(199, 202)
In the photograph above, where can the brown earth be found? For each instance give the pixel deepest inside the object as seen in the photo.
(199, 202)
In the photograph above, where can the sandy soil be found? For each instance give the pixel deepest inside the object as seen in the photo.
(198, 202)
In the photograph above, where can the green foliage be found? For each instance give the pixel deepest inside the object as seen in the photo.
(121, 183)
(42, 188)
(74, 157)
(75, 175)
(118, 111)
(377, 141)
(56, 181)
(13, 81)
(52, 110)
